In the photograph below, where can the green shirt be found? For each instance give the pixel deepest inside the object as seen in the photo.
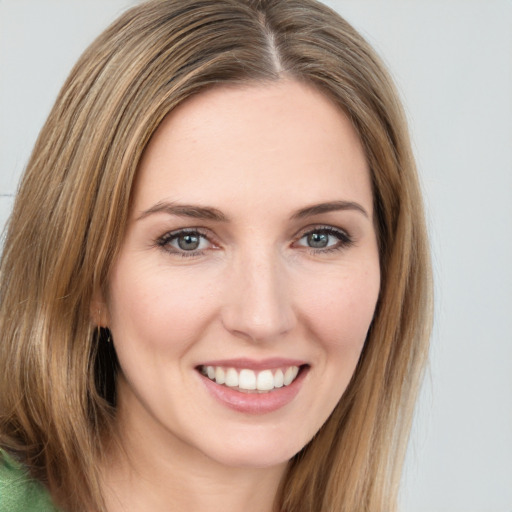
(19, 492)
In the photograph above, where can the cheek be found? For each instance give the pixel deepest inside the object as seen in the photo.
(154, 309)
(338, 315)
(341, 311)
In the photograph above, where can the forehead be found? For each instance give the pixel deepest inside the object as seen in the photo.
(279, 142)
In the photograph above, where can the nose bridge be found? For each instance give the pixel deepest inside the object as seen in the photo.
(258, 303)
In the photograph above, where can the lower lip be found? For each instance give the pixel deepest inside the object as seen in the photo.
(255, 403)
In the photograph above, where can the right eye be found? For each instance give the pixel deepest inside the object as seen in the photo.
(185, 242)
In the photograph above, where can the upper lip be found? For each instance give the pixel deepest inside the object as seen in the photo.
(252, 364)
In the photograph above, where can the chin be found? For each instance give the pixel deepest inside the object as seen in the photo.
(256, 450)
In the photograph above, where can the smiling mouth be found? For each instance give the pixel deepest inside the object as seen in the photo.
(246, 380)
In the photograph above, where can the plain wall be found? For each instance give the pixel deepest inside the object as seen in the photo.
(452, 61)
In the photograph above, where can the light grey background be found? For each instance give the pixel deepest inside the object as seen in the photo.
(452, 60)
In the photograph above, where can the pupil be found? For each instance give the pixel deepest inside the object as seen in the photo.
(188, 242)
(318, 240)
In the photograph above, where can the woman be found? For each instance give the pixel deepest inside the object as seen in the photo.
(215, 286)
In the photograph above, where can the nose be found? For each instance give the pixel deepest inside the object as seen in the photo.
(258, 306)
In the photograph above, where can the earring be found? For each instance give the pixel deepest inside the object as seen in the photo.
(109, 338)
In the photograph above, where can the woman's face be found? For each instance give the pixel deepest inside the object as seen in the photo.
(242, 294)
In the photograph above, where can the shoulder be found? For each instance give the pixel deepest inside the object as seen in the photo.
(19, 492)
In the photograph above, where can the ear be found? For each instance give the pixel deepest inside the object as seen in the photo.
(99, 310)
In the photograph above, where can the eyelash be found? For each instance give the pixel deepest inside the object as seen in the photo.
(344, 240)
(165, 240)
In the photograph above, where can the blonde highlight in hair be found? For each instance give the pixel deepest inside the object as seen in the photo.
(57, 379)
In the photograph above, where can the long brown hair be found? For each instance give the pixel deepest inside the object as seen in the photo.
(57, 380)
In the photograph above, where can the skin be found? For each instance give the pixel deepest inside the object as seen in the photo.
(254, 289)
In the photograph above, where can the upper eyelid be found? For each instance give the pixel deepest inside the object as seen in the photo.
(345, 239)
(164, 242)
(176, 232)
(206, 233)
(320, 227)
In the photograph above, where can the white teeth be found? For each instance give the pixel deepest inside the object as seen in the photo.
(289, 375)
(232, 378)
(265, 380)
(279, 379)
(249, 380)
(220, 375)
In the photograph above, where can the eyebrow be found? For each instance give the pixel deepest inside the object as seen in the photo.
(209, 213)
(332, 206)
(185, 210)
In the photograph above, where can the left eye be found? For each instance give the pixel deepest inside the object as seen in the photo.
(324, 238)
(185, 241)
